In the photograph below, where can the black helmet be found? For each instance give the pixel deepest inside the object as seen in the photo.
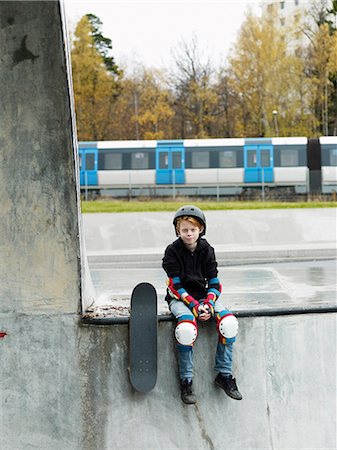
(192, 211)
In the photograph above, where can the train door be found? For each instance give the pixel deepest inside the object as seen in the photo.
(170, 162)
(259, 163)
(88, 166)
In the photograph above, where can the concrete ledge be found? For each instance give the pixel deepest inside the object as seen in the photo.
(262, 312)
(230, 257)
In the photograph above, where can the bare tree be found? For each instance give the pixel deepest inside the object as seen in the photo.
(196, 101)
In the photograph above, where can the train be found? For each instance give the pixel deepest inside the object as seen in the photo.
(209, 167)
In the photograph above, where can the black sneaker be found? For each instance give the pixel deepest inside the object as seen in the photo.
(187, 395)
(228, 384)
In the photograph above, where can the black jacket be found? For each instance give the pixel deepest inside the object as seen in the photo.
(193, 268)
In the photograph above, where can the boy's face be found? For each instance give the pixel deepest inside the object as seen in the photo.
(189, 232)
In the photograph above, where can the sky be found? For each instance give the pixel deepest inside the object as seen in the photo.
(149, 32)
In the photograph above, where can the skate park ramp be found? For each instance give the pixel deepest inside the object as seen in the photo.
(64, 383)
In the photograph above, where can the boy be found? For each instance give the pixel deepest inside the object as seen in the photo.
(193, 294)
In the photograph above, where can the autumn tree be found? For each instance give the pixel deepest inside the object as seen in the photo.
(319, 74)
(96, 79)
(144, 110)
(267, 76)
(226, 110)
(332, 70)
(153, 105)
(322, 71)
(122, 124)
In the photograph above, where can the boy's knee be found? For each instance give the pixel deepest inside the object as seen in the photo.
(227, 326)
(186, 332)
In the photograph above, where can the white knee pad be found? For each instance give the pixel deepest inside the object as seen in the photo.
(228, 326)
(186, 333)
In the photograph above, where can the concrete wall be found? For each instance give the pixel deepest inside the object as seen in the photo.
(39, 243)
(65, 386)
(287, 379)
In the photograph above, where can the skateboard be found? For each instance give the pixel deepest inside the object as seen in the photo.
(143, 338)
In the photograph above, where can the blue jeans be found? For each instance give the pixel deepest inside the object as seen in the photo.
(224, 352)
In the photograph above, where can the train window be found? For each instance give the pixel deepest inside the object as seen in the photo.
(112, 161)
(176, 160)
(163, 160)
(265, 158)
(90, 161)
(139, 160)
(200, 160)
(80, 160)
(251, 158)
(289, 157)
(328, 154)
(227, 158)
(333, 157)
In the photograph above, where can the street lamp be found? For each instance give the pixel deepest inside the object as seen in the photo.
(275, 112)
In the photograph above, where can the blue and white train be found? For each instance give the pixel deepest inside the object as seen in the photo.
(209, 166)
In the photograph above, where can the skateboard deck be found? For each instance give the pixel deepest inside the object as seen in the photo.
(143, 338)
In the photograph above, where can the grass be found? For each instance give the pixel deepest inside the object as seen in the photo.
(116, 206)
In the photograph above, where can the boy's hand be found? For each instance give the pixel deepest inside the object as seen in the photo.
(204, 313)
(192, 304)
(209, 303)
